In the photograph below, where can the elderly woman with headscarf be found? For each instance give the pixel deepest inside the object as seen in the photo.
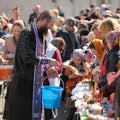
(112, 45)
(112, 66)
(112, 58)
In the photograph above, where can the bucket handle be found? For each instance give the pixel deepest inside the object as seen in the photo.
(57, 77)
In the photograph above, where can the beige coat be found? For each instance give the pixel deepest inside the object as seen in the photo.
(10, 48)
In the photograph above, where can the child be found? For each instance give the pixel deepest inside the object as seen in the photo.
(78, 62)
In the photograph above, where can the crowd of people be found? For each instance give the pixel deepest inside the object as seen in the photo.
(89, 42)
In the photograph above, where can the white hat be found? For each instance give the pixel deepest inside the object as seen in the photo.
(103, 6)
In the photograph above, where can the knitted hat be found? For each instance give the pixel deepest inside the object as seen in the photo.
(70, 21)
(78, 53)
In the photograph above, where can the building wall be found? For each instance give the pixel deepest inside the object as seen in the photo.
(70, 7)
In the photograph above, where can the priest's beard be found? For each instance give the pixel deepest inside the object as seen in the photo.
(43, 30)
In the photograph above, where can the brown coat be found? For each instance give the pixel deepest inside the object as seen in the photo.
(71, 83)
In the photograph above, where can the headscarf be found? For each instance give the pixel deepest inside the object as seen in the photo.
(114, 37)
(99, 46)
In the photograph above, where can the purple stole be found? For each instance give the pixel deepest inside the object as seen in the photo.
(37, 105)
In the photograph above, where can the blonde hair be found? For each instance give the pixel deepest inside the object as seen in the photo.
(107, 25)
(61, 19)
(55, 11)
(19, 23)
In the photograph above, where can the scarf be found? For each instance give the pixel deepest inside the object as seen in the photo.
(37, 105)
(114, 37)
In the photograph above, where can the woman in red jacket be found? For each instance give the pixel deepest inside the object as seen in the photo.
(54, 50)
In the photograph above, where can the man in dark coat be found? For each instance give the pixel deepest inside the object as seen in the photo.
(69, 34)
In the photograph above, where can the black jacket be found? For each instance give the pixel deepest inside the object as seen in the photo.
(112, 59)
(71, 40)
(25, 58)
